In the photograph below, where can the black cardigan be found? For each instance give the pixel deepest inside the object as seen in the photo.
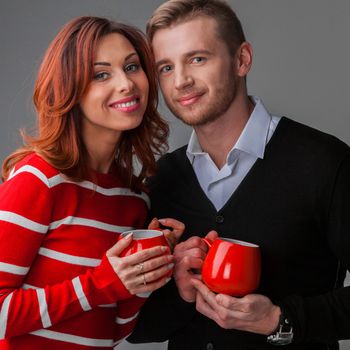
(295, 204)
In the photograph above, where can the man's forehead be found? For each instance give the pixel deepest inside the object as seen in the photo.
(180, 38)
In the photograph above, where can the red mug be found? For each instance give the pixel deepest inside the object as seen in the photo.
(143, 239)
(232, 267)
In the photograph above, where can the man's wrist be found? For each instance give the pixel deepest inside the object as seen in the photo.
(283, 334)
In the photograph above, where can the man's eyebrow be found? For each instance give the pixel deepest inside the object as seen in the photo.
(102, 63)
(161, 62)
(198, 52)
(186, 55)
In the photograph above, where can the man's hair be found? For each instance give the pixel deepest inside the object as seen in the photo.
(177, 11)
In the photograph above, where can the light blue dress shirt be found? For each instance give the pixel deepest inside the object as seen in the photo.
(220, 184)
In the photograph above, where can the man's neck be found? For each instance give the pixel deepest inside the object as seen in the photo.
(218, 137)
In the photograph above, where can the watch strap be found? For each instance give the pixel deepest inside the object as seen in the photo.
(283, 334)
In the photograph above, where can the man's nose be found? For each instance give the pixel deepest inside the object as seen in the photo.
(183, 79)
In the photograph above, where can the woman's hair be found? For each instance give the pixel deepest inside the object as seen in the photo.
(178, 11)
(63, 78)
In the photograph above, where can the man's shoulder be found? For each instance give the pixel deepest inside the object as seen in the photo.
(169, 166)
(170, 159)
(305, 137)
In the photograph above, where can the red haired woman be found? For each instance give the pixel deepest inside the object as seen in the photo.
(70, 191)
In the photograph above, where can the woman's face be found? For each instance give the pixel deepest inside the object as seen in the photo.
(116, 98)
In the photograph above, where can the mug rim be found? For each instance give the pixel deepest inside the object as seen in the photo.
(239, 242)
(141, 233)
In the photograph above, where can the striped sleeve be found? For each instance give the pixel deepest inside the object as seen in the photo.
(26, 204)
(127, 314)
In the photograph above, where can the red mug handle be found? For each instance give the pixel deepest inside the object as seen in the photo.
(208, 242)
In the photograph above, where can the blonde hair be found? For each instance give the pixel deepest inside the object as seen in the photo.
(176, 11)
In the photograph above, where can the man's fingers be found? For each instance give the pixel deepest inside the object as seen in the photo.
(203, 307)
(193, 242)
(188, 263)
(177, 227)
(206, 293)
(154, 224)
(212, 235)
(195, 253)
(228, 301)
(170, 237)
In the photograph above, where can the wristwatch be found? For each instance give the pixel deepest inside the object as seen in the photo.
(284, 331)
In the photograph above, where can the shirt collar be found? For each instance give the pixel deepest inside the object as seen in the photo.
(252, 139)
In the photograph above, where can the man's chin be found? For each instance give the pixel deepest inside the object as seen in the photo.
(195, 120)
(190, 120)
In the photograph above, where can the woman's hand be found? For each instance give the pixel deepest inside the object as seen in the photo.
(144, 271)
(173, 235)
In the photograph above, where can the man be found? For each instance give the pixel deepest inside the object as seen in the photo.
(249, 176)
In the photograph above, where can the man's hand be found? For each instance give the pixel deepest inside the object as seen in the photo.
(189, 256)
(173, 235)
(252, 313)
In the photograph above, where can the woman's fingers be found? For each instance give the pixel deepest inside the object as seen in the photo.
(153, 264)
(149, 286)
(144, 280)
(158, 273)
(120, 246)
(143, 271)
(146, 254)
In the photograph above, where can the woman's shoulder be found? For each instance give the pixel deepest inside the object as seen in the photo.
(37, 166)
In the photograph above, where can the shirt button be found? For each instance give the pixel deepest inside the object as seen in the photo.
(210, 346)
(219, 219)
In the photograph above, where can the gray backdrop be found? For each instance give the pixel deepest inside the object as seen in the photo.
(301, 61)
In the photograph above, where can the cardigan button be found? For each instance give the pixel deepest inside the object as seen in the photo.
(219, 219)
(209, 346)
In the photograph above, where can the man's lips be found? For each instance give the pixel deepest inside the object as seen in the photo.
(189, 99)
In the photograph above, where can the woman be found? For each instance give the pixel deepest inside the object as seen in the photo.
(70, 191)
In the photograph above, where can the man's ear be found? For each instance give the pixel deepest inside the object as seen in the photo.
(243, 59)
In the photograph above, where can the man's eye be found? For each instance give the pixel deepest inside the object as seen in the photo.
(101, 76)
(198, 59)
(133, 67)
(165, 69)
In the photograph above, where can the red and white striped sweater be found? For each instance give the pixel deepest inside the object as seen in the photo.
(57, 288)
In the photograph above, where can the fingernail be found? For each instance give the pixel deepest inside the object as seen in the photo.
(129, 235)
(170, 266)
(162, 221)
(163, 248)
(167, 280)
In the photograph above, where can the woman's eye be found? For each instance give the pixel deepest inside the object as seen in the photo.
(133, 67)
(101, 76)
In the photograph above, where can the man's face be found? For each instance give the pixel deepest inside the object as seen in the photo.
(196, 71)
